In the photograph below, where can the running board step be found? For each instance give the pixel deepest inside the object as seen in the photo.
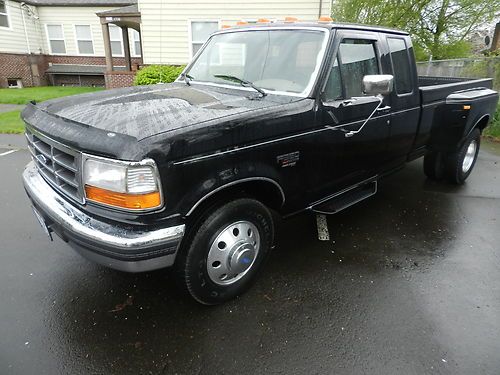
(346, 198)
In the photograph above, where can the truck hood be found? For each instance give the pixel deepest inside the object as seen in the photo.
(145, 111)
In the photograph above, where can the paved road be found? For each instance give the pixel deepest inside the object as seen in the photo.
(409, 284)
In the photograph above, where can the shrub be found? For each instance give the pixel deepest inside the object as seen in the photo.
(493, 130)
(152, 74)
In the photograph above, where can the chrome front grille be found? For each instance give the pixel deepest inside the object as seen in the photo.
(58, 164)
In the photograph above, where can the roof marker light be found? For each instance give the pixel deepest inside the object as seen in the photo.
(241, 23)
(263, 20)
(291, 19)
(225, 26)
(325, 19)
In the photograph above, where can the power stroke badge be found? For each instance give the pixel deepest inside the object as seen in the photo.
(288, 160)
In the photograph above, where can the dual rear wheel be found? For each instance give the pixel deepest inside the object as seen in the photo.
(455, 166)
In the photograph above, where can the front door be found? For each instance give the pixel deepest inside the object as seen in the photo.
(355, 146)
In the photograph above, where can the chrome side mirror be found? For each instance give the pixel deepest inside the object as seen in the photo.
(378, 84)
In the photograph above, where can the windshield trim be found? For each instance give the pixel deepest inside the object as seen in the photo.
(305, 93)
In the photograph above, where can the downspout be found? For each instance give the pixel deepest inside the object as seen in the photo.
(320, 8)
(23, 5)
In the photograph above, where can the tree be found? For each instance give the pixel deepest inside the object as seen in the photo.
(438, 27)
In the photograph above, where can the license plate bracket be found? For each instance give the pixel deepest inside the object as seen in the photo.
(42, 223)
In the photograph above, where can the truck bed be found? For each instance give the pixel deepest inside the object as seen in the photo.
(435, 118)
(434, 89)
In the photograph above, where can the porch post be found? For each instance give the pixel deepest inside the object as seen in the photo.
(126, 48)
(107, 47)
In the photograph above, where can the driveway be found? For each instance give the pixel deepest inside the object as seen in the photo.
(408, 284)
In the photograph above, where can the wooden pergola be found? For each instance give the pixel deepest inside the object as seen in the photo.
(126, 18)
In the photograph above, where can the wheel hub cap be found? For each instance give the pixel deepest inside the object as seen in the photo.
(242, 258)
(233, 252)
(470, 155)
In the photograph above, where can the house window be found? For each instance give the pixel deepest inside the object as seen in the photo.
(136, 38)
(84, 39)
(4, 17)
(14, 83)
(115, 36)
(55, 34)
(200, 31)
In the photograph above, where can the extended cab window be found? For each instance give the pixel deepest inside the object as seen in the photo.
(400, 65)
(358, 58)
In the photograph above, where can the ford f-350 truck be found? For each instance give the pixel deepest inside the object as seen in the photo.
(276, 118)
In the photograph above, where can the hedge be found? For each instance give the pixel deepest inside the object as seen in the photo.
(152, 74)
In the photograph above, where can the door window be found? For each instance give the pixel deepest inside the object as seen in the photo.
(333, 89)
(358, 58)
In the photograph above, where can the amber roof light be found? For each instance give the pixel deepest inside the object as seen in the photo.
(325, 19)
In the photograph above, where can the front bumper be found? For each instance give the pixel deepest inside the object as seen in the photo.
(115, 245)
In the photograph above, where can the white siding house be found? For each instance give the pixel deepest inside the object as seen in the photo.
(41, 40)
(18, 34)
(67, 20)
(173, 30)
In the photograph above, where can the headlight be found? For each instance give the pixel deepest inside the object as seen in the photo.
(133, 186)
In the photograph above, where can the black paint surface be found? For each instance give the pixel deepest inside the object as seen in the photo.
(410, 286)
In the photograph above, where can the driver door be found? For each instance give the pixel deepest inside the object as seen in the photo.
(344, 108)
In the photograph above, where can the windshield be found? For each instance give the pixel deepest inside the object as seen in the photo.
(273, 60)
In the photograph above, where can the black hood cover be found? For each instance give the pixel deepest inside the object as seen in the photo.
(144, 111)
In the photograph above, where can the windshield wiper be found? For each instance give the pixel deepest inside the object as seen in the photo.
(187, 78)
(242, 82)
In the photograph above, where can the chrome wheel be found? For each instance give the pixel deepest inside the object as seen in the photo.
(470, 155)
(233, 253)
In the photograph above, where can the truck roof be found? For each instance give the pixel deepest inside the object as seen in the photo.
(326, 25)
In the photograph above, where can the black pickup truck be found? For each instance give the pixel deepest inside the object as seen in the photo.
(277, 118)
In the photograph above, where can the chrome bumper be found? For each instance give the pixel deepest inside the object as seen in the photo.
(115, 246)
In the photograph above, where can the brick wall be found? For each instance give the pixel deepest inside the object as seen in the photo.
(89, 60)
(31, 68)
(28, 68)
(119, 79)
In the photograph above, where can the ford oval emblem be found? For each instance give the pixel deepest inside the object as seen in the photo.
(41, 158)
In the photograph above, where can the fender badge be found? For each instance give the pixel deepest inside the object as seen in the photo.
(288, 160)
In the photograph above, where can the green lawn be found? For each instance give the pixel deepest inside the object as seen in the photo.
(10, 122)
(39, 94)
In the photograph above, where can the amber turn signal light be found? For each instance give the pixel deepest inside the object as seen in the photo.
(466, 106)
(123, 200)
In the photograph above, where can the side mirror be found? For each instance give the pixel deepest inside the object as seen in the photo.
(378, 84)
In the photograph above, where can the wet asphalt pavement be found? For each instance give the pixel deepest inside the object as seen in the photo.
(408, 284)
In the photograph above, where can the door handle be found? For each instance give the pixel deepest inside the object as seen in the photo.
(346, 102)
(386, 108)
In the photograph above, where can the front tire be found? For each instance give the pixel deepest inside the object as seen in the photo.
(459, 164)
(224, 250)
